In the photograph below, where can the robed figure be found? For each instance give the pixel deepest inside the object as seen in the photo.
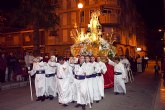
(109, 76)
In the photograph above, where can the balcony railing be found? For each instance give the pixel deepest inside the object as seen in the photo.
(108, 19)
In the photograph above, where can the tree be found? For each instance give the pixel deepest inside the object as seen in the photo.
(36, 14)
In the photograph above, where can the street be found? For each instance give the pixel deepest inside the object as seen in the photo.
(140, 95)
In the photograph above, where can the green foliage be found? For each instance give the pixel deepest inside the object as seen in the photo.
(36, 13)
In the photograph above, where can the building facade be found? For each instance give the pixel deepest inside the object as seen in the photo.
(118, 19)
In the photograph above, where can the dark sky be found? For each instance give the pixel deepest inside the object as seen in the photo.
(151, 11)
(8, 5)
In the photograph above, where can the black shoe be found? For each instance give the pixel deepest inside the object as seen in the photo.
(116, 93)
(73, 101)
(102, 97)
(97, 101)
(51, 97)
(47, 97)
(123, 93)
(59, 103)
(78, 105)
(38, 99)
(65, 105)
(42, 98)
(91, 104)
(83, 107)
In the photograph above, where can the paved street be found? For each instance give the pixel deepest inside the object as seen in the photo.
(140, 95)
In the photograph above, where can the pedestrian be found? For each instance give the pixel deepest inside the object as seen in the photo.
(120, 76)
(3, 66)
(139, 64)
(11, 62)
(157, 69)
(143, 64)
(134, 65)
(146, 59)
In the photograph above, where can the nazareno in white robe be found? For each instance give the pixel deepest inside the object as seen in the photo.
(72, 82)
(81, 85)
(96, 92)
(89, 69)
(126, 64)
(100, 79)
(119, 84)
(50, 81)
(40, 85)
(63, 83)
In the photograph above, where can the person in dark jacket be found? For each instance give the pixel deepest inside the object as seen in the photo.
(3, 66)
(157, 69)
(11, 61)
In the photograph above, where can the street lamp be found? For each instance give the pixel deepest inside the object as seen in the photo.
(80, 5)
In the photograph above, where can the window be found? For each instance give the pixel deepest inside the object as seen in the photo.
(82, 16)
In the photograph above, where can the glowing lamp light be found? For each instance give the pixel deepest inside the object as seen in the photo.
(138, 49)
(80, 5)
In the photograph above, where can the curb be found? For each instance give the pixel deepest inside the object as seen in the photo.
(155, 102)
(13, 85)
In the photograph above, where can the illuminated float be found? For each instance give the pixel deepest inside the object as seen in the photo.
(92, 42)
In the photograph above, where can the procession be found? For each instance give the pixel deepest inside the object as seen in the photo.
(77, 80)
(82, 55)
(80, 78)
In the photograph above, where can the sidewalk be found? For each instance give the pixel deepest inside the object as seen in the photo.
(160, 97)
(11, 85)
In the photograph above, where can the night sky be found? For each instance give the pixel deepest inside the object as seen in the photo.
(150, 10)
(8, 5)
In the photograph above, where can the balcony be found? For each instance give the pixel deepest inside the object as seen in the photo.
(110, 2)
(109, 19)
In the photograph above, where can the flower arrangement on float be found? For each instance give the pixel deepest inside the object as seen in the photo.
(91, 42)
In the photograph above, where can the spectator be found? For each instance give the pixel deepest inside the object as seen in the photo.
(139, 64)
(146, 59)
(156, 68)
(143, 64)
(29, 60)
(11, 62)
(3, 66)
